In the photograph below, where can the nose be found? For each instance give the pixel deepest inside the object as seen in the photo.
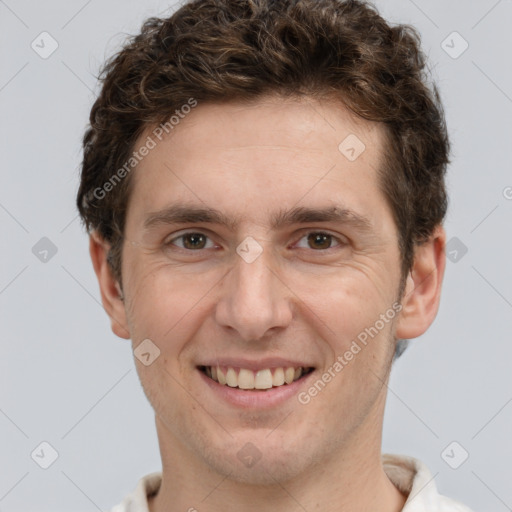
(254, 301)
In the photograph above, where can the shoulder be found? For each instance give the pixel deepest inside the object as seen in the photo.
(414, 479)
(137, 501)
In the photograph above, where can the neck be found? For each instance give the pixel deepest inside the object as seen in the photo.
(350, 479)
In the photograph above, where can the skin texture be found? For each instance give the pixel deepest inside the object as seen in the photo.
(300, 299)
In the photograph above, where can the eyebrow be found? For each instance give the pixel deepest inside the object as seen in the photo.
(184, 214)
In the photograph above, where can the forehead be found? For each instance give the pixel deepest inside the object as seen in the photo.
(282, 152)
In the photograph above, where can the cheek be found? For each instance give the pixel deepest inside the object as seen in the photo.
(164, 301)
(342, 304)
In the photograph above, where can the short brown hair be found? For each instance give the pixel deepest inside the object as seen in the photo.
(240, 50)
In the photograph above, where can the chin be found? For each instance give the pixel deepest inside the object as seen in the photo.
(257, 460)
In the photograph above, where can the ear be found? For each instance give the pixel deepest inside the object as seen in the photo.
(111, 294)
(422, 294)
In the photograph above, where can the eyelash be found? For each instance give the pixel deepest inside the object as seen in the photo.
(340, 242)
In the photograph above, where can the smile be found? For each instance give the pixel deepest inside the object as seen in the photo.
(263, 379)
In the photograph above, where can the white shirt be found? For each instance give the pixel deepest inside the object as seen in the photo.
(409, 475)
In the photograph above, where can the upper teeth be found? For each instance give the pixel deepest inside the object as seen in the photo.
(248, 379)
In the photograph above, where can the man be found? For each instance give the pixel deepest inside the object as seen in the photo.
(263, 182)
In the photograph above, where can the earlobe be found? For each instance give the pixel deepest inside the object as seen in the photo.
(420, 301)
(111, 293)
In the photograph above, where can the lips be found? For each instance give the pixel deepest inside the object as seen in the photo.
(261, 378)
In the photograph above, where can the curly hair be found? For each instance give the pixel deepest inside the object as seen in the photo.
(240, 50)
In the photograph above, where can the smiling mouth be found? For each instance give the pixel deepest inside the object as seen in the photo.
(261, 380)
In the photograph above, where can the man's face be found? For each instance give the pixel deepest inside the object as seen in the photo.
(298, 292)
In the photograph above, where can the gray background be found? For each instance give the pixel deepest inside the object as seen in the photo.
(67, 380)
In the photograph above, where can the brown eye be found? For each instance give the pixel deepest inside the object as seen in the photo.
(320, 240)
(194, 241)
(191, 241)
